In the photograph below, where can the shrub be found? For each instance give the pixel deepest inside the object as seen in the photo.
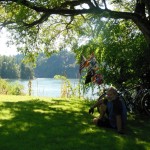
(67, 89)
(10, 89)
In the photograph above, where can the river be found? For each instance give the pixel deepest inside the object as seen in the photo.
(47, 87)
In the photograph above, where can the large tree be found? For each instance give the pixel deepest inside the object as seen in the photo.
(41, 23)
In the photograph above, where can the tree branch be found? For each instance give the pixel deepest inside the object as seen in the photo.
(74, 3)
(65, 11)
(68, 9)
(43, 18)
(5, 23)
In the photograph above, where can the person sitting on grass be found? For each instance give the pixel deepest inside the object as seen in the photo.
(113, 113)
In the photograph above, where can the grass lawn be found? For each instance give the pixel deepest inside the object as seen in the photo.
(30, 123)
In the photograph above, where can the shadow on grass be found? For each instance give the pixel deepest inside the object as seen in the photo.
(63, 125)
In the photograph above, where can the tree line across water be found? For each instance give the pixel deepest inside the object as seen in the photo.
(62, 63)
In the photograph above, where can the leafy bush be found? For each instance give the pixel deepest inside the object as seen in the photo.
(10, 89)
(67, 89)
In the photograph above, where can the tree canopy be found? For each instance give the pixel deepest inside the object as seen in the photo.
(118, 31)
(49, 25)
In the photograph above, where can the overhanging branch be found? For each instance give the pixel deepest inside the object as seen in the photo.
(68, 9)
(43, 18)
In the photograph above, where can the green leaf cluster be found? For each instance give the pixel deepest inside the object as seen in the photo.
(13, 68)
(120, 50)
(10, 89)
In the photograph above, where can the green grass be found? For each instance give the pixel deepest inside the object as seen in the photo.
(29, 123)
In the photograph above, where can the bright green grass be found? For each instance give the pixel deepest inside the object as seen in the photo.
(28, 123)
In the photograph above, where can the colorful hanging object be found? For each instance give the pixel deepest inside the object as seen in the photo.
(83, 63)
(92, 62)
(92, 69)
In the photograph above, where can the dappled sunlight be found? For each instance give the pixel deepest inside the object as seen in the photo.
(89, 130)
(41, 111)
(6, 114)
(49, 123)
(139, 142)
(14, 98)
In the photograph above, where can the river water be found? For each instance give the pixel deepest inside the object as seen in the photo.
(48, 87)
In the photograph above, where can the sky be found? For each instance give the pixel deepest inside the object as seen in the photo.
(4, 49)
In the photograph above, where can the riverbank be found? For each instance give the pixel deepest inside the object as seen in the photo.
(49, 87)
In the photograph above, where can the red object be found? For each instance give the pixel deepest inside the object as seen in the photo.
(98, 79)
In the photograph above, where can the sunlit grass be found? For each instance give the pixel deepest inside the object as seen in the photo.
(32, 123)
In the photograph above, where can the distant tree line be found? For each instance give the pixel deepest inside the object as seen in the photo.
(62, 63)
(12, 67)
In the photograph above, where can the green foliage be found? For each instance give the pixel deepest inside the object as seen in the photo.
(52, 25)
(119, 49)
(10, 68)
(9, 89)
(15, 89)
(59, 77)
(67, 89)
(25, 72)
(62, 63)
(49, 26)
